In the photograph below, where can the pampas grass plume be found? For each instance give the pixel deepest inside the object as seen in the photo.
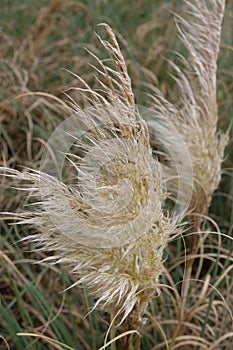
(112, 237)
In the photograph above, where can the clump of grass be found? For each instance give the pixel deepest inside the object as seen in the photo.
(200, 323)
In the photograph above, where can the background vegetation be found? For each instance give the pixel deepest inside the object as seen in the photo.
(38, 40)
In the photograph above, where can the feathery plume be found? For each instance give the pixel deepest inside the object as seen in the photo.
(195, 117)
(108, 226)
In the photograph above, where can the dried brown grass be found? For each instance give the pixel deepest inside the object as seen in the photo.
(25, 65)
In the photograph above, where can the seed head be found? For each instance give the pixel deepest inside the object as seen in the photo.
(195, 117)
(105, 219)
